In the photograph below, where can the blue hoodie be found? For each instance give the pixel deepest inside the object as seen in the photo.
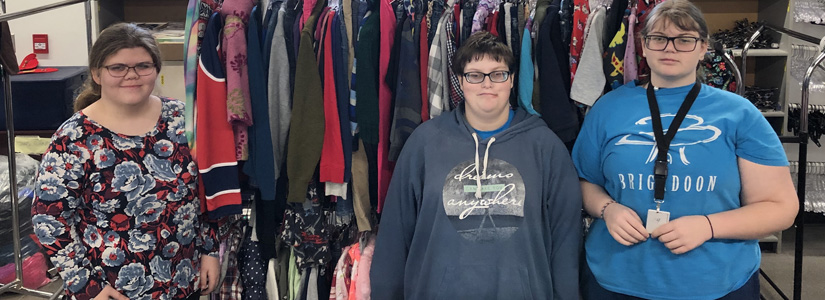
(510, 229)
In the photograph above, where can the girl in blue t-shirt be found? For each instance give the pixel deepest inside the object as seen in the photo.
(679, 209)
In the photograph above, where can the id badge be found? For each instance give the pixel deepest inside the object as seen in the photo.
(656, 218)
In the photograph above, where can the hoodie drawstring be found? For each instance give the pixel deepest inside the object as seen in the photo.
(483, 172)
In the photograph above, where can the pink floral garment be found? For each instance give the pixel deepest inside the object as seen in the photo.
(238, 104)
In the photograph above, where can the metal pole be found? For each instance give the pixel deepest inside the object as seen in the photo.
(20, 14)
(17, 285)
(740, 89)
(803, 156)
(88, 7)
(12, 173)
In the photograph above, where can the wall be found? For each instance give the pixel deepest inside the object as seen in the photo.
(66, 27)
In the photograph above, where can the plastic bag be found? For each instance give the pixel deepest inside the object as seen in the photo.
(26, 171)
(34, 272)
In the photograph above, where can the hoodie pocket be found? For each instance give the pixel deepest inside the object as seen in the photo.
(485, 282)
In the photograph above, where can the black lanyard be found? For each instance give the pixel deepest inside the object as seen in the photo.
(663, 139)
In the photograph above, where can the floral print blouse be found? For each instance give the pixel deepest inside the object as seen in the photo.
(119, 210)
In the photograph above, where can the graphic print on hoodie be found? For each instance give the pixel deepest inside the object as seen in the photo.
(499, 208)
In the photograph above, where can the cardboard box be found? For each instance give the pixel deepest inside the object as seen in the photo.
(171, 50)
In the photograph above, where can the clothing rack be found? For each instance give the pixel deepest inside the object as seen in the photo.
(16, 286)
(815, 193)
(802, 139)
(820, 108)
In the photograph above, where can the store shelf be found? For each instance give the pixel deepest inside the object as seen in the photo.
(773, 113)
(761, 52)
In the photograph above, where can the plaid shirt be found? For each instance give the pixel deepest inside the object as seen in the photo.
(231, 287)
(435, 73)
(456, 95)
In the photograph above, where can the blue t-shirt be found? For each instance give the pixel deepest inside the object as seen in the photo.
(615, 150)
(485, 134)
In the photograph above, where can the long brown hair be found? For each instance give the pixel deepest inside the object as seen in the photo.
(110, 41)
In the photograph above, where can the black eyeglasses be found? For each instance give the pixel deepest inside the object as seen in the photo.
(120, 70)
(478, 77)
(680, 43)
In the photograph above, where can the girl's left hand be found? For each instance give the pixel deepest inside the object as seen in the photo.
(210, 271)
(684, 234)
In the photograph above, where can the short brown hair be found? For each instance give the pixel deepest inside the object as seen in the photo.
(479, 45)
(681, 13)
(110, 41)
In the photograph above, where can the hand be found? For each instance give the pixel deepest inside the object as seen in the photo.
(683, 234)
(624, 224)
(210, 271)
(110, 293)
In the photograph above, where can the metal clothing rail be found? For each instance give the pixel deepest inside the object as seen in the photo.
(740, 89)
(16, 286)
(802, 139)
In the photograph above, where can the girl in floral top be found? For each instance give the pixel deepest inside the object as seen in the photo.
(115, 207)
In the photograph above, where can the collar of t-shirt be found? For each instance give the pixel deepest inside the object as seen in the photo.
(485, 134)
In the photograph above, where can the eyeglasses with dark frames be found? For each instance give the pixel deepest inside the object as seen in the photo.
(120, 70)
(680, 43)
(495, 76)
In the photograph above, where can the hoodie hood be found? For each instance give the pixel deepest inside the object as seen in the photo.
(522, 121)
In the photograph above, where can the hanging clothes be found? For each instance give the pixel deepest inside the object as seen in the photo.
(615, 54)
(342, 73)
(525, 76)
(278, 90)
(197, 14)
(423, 55)
(341, 279)
(643, 9)
(231, 287)
(272, 290)
(332, 153)
(438, 71)
(468, 11)
(294, 9)
(566, 21)
(306, 135)
(192, 27)
(407, 111)
(366, 85)
(216, 160)
(613, 20)
(456, 94)
(306, 229)
(629, 65)
(485, 7)
(252, 271)
(581, 10)
(239, 107)
(557, 109)
(261, 165)
(362, 282)
(587, 85)
(387, 21)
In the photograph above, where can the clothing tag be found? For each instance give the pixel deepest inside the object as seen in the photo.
(656, 218)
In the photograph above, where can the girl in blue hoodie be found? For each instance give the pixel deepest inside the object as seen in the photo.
(484, 201)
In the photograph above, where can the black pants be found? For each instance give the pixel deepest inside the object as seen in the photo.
(592, 290)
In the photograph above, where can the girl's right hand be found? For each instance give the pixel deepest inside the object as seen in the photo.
(624, 224)
(110, 293)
